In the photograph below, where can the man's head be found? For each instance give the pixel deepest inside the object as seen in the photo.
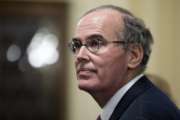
(134, 31)
(111, 46)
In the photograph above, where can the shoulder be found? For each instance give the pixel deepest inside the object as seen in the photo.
(154, 104)
(144, 101)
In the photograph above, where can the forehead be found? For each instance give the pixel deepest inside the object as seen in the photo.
(103, 22)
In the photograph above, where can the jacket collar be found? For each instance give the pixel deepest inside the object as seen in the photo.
(137, 89)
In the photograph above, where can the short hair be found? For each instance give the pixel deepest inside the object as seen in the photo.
(134, 31)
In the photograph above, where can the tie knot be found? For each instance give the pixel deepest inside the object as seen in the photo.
(98, 118)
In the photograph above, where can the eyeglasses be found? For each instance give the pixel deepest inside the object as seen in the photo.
(93, 44)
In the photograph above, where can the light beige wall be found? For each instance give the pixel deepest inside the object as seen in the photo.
(161, 17)
(177, 52)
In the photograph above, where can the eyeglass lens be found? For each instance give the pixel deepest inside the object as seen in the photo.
(91, 44)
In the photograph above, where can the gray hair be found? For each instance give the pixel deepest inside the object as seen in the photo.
(134, 31)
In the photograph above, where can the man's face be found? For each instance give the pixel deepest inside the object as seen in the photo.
(105, 70)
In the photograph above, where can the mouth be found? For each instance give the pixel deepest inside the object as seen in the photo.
(86, 70)
(85, 73)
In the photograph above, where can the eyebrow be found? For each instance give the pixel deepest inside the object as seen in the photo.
(91, 37)
(75, 39)
(96, 36)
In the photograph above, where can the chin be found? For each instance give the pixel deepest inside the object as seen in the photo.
(87, 86)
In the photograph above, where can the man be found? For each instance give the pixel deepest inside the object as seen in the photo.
(111, 49)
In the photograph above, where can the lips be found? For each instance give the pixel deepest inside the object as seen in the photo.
(86, 70)
(84, 73)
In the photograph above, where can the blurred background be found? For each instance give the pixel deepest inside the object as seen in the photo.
(37, 76)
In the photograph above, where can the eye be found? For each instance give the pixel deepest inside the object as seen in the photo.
(93, 43)
(76, 45)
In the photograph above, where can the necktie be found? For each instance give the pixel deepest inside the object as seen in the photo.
(98, 118)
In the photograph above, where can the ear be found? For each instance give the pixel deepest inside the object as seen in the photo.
(135, 55)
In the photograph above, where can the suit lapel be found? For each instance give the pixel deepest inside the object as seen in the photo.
(137, 89)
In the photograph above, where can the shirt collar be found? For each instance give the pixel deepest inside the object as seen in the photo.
(112, 103)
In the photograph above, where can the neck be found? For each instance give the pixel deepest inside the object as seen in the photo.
(103, 96)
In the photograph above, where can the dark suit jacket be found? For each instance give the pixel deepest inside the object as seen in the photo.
(144, 101)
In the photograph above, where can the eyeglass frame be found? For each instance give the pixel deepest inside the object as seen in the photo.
(100, 40)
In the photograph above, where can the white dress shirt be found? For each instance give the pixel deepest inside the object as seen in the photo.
(112, 103)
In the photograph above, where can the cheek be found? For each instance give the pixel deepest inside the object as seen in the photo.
(111, 68)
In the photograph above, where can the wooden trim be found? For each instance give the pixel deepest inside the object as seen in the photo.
(32, 8)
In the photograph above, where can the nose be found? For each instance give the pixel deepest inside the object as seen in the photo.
(82, 55)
